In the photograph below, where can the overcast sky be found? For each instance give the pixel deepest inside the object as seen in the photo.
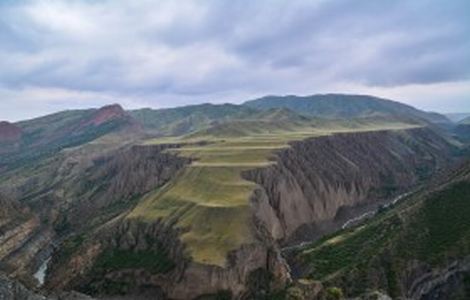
(57, 55)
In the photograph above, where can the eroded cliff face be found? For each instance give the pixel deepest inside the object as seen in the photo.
(22, 239)
(11, 289)
(448, 282)
(312, 188)
(74, 195)
(112, 182)
(88, 186)
(319, 183)
(130, 257)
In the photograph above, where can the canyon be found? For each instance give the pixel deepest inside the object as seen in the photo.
(126, 208)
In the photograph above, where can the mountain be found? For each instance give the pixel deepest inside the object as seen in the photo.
(45, 136)
(226, 212)
(457, 117)
(462, 130)
(197, 201)
(338, 106)
(416, 249)
(186, 119)
(9, 132)
(465, 121)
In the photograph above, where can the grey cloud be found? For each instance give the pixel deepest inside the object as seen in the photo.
(158, 49)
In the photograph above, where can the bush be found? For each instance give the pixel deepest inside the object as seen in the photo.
(334, 293)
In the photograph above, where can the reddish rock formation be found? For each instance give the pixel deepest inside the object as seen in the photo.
(108, 113)
(9, 132)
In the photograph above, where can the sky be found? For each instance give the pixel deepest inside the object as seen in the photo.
(57, 55)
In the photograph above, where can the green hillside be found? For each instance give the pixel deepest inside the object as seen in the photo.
(45, 136)
(465, 121)
(209, 198)
(182, 120)
(338, 106)
(428, 231)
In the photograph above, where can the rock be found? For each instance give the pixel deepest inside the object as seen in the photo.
(9, 132)
(303, 194)
(12, 290)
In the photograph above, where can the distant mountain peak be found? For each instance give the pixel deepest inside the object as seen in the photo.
(339, 106)
(465, 121)
(107, 113)
(9, 132)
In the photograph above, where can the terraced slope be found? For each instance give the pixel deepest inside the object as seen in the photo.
(206, 212)
(211, 198)
(211, 229)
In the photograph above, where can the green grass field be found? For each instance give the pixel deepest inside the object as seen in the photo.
(209, 198)
(434, 229)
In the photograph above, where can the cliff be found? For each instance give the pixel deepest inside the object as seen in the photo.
(74, 195)
(315, 185)
(318, 184)
(417, 249)
(22, 239)
(11, 289)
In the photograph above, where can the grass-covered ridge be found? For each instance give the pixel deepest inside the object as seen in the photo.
(431, 228)
(209, 198)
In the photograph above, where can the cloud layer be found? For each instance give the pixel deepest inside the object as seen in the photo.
(69, 54)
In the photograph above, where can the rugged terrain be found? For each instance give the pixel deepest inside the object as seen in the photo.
(202, 200)
(418, 249)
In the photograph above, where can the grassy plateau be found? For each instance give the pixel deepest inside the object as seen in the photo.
(209, 198)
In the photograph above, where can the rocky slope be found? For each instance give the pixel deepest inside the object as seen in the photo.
(418, 250)
(11, 289)
(22, 239)
(9, 132)
(82, 172)
(74, 194)
(462, 132)
(44, 137)
(316, 185)
(133, 258)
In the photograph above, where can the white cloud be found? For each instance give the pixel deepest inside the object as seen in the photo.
(164, 53)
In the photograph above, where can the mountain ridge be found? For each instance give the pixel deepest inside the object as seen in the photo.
(343, 106)
(200, 199)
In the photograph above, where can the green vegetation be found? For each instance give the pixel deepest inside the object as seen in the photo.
(350, 248)
(221, 295)
(69, 247)
(183, 120)
(153, 261)
(334, 293)
(38, 143)
(433, 228)
(446, 217)
(339, 106)
(210, 199)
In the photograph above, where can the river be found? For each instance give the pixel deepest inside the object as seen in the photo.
(40, 274)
